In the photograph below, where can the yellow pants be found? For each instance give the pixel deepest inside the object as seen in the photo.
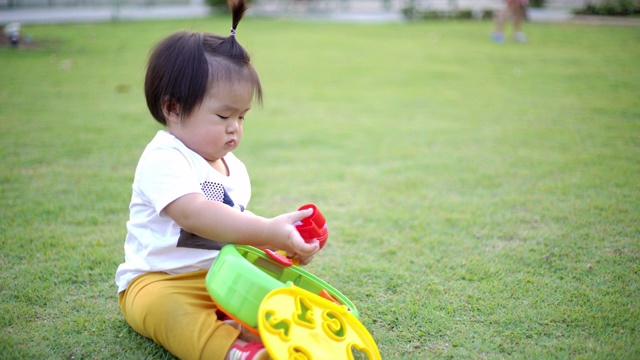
(177, 312)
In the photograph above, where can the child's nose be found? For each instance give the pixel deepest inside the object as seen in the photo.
(233, 125)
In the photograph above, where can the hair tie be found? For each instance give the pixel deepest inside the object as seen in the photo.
(233, 32)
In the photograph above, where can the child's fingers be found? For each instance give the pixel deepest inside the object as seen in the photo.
(305, 249)
(303, 260)
(301, 214)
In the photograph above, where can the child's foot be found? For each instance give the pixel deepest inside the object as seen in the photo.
(497, 37)
(520, 37)
(248, 351)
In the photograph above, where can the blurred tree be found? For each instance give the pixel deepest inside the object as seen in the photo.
(537, 3)
(221, 5)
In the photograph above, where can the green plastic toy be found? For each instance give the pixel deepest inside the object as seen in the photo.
(297, 315)
(242, 276)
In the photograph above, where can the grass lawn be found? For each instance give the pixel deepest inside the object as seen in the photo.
(483, 199)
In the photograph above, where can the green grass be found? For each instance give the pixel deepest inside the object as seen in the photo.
(483, 199)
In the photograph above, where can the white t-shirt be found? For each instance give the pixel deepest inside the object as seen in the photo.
(168, 170)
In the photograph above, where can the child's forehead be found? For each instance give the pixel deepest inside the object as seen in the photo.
(239, 85)
(231, 95)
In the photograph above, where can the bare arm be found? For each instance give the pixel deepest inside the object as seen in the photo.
(215, 220)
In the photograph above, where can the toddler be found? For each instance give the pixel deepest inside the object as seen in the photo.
(516, 11)
(190, 195)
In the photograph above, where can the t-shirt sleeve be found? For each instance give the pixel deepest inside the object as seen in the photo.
(166, 175)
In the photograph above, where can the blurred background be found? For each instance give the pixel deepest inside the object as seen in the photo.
(484, 198)
(45, 11)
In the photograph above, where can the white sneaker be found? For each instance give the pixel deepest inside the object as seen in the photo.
(251, 351)
(520, 37)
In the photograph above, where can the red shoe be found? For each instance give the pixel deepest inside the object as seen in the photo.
(250, 351)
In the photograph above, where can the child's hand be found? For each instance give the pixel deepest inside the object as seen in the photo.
(302, 260)
(282, 230)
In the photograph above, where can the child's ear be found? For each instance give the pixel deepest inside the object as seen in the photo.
(171, 110)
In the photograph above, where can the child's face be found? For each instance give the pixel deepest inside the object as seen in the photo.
(215, 127)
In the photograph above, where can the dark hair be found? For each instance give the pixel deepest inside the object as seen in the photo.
(183, 66)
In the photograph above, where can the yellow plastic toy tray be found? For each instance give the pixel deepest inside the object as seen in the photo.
(295, 324)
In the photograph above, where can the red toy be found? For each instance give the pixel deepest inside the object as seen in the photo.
(312, 227)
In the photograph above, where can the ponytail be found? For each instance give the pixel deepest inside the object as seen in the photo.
(238, 8)
(230, 47)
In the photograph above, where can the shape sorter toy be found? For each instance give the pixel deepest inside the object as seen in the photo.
(297, 315)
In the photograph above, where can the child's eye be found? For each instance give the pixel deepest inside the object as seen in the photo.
(222, 117)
